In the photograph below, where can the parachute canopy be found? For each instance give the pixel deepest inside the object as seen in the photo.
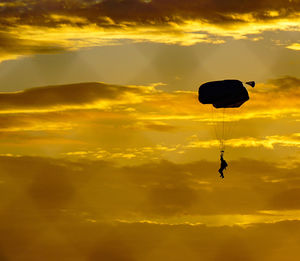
(224, 94)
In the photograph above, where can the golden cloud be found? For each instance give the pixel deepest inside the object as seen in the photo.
(13, 46)
(268, 142)
(105, 121)
(85, 210)
(294, 46)
(54, 26)
(113, 13)
(72, 96)
(138, 107)
(105, 191)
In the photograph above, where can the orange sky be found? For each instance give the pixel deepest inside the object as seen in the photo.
(106, 153)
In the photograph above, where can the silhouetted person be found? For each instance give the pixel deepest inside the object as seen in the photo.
(223, 165)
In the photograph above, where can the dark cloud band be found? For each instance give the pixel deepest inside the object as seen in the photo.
(72, 94)
(141, 12)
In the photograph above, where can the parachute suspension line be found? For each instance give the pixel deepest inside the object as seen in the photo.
(222, 145)
(214, 124)
(220, 126)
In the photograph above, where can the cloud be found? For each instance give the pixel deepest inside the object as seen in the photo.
(33, 122)
(68, 95)
(170, 199)
(268, 142)
(137, 122)
(137, 154)
(12, 46)
(113, 13)
(55, 26)
(153, 191)
(98, 210)
(158, 126)
(294, 46)
(112, 249)
(286, 199)
(52, 187)
(285, 84)
(74, 237)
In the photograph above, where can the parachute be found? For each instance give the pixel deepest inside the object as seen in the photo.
(226, 94)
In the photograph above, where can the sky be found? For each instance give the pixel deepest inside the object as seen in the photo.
(106, 153)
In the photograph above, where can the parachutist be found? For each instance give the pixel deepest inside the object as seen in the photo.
(223, 164)
(224, 94)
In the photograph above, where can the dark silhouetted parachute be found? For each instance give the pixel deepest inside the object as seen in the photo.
(228, 95)
(224, 94)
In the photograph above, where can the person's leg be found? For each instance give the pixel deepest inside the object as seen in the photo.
(221, 173)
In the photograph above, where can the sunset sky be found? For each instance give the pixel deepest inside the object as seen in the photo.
(106, 153)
